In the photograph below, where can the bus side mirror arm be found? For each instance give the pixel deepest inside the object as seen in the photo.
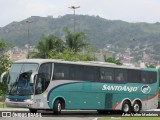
(2, 76)
(33, 76)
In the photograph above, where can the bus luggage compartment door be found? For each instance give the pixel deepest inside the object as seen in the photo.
(108, 100)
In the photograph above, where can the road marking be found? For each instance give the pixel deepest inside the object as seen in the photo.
(95, 118)
(115, 117)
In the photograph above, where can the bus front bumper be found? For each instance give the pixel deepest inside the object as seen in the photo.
(25, 104)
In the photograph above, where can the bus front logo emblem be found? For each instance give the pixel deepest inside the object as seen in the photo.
(145, 89)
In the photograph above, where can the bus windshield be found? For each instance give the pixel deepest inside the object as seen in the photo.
(19, 77)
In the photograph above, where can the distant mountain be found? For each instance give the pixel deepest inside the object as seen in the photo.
(120, 35)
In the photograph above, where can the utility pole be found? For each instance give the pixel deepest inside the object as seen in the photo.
(74, 8)
(28, 22)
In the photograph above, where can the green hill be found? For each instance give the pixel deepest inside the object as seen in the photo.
(137, 36)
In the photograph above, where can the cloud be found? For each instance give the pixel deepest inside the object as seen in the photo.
(127, 10)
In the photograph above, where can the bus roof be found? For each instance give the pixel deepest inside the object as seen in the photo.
(89, 63)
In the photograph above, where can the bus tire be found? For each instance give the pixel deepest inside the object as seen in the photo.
(57, 107)
(126, 107)
(101, 111)
(136, 107)
(33, 110)
(104, 111)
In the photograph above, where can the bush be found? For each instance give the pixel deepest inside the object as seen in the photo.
(1, 96)
(4, 64)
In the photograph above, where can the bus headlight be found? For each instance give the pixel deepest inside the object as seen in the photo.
(30, 101)
(7, 99)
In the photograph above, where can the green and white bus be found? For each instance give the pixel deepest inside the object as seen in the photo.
(45, 84)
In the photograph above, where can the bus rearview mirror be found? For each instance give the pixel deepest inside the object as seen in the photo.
(32, 77)
(2, 76)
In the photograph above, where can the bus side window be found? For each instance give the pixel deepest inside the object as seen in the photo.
(61, 71)
(120, 75)
(38, 87)
(43, 78)
(134, 76)
(90, 73)
(76, 72)
(144, 77)
(152, 77)
(106, 74)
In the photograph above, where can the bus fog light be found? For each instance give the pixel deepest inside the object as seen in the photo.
(30, 101)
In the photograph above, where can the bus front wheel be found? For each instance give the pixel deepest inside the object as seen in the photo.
(57, 107)
(33, 110)
(126, 107)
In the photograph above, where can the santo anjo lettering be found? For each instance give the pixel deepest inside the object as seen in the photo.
(119, 88)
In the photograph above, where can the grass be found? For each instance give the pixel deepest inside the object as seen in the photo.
(2, 106)
(1, 99)
(130, 118)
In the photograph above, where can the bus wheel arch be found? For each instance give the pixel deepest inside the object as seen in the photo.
(137, 106)
(126, 106)
(59, 104)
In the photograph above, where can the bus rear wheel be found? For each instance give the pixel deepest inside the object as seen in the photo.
(136, 107)
(57, 107)
(126, 107)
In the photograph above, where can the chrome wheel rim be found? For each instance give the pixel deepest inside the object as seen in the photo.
(59, 107)
(136, 107)
(126, 108)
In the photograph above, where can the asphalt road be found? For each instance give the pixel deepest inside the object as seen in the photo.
(65, 115)
(74, 115)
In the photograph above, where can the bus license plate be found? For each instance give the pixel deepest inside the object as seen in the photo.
(15, 104)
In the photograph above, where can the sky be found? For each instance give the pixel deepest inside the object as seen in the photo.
(126, 10)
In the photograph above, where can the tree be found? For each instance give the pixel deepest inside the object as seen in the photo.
(4, 46)
(150, 66)
(45, 45)
(112, 60)
(4, 64)
(71, 55)
(74, 40)
(54, 48)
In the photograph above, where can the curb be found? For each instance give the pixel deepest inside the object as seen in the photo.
(154, 110)
(13, 109)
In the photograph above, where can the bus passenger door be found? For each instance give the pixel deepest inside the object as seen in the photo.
(42, 83)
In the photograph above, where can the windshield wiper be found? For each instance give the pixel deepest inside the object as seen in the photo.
(14, 85)
(24, 94)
